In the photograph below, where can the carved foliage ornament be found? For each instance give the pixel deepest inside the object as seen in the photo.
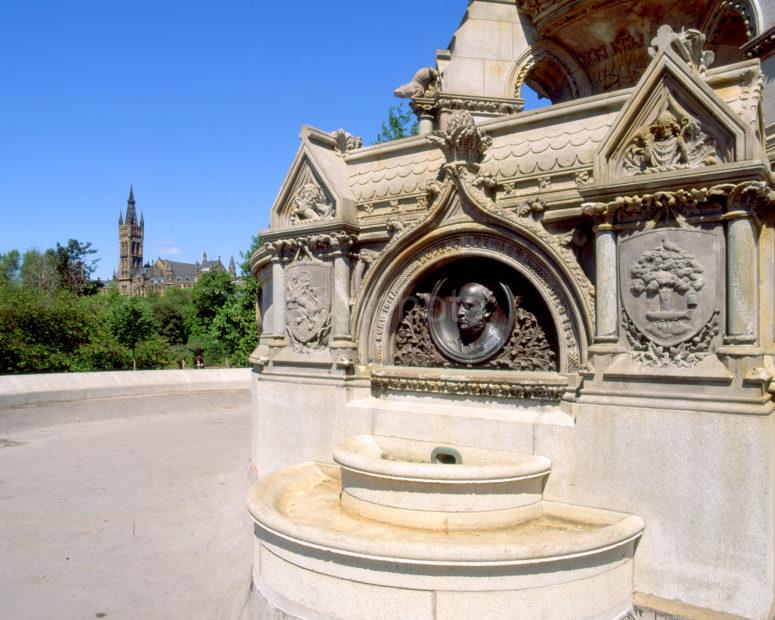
(462, 141)
(308, 305)
(486, 389)
(311, 205)
(688, 44)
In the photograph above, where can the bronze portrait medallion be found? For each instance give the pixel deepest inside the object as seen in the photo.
(470, 320)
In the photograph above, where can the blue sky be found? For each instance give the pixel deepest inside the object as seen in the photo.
(198, 104)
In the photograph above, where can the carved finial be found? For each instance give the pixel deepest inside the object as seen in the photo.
(425, 83)
(346, 142)
(688, 44)
(462, 141)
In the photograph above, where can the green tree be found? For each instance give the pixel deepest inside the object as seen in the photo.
(131, 323)
(39, 270)
(399, 124)
(209, 295)
(74, 265)
(9, 266)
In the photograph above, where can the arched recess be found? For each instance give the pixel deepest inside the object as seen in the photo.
(377, 313)
(550, 70)
(729, 24)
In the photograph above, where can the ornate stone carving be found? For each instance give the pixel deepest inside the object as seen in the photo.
(462, 142)
(583, 177)
(308, 305)
(688, 44)
(395, 226)
(485, 389)
(346, 142)
(486, 246)
(669, 279)
(414, 346)
(528, 215)
(311, 205)
(425, 83)
(666, 271)
(685, 355)
(474, 105)
(682, 207)
(312, 247)
(439, 331)
(668, 144)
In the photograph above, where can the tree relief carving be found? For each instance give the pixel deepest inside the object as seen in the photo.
(669, 283)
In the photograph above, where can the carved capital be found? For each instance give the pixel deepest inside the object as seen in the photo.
(746, 199)
(600, 213)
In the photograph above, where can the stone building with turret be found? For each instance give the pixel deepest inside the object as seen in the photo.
(137, 278)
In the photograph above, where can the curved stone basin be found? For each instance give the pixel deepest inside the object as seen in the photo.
(311, 547)
(393, 480)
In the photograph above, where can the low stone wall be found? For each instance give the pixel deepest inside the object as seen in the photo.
(27, 390)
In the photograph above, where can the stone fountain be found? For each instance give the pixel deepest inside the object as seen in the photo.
(519, 365)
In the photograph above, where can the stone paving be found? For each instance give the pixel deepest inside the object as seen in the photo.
(130, 508)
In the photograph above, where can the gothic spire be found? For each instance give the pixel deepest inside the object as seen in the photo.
(120, 218)
(131, 214)
(142, 220)
(232, 268)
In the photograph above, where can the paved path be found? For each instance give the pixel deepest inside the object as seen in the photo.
(135, 511)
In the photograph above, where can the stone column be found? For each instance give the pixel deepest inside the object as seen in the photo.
(340, 304)
(425, 109)
(278, 297)
(606, 273)
(606, 286)
(742, 278)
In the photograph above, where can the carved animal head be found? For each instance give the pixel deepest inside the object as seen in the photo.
(424, 83)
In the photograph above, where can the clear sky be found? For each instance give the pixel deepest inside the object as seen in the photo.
(197, 103)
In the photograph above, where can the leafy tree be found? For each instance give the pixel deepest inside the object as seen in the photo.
(9, 266)
(41, 331)
(210, 294)
(131, 323)
(74, 265)
(400, 124)
(39, 270)
(168, 316)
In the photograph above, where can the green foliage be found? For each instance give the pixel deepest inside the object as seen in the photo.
(209, 295)
(74, 265)
(40, 332)
(50, 323)
(131, 322)
(400, 124)
(10, 264)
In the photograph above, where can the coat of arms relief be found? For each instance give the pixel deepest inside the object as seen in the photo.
(669, 287)
(308, 305)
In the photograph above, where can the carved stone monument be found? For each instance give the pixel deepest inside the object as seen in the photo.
(520, 365)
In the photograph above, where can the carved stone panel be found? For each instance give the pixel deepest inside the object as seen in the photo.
(308, 305)
(669, 283)
(467, 314)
